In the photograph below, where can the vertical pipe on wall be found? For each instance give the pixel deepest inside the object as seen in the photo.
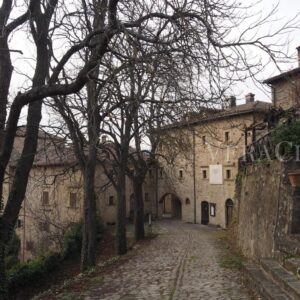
(24, 230)
(156, 190)
(194, 176)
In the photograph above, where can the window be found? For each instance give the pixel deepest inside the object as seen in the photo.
(212, 210)
(44, 226)
(111, 200)
(204, 174)
(228, 174)
(226, 136)
(29, 245)
(73, 200)
(180, 174)
(146, 197)
(187, 201)
(45, 198)
(161, 172)
(19, 224)
(203, 140)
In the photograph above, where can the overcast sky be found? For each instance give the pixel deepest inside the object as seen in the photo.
(287, 10)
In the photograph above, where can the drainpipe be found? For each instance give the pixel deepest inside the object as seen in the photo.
(156, 191)
(24, 231)
(194, 177)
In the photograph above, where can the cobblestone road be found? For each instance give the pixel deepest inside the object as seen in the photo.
(181, 263)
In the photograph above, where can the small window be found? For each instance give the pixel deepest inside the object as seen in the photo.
(44, 226)
(204, 174)
(29, 245)
(212, 209)
(180, 174)
(226, 136)
(187, 201)
(228, 174)
(111, 200)
(146, 197)
(73, 200)
(45, 198)
(19, 224)
(161, 172)
(203, 140)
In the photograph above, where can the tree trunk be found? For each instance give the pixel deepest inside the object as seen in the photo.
(121, 240)
(18, 189)
(88, 252)
(5, 78)
(3, 281)
(139, 230)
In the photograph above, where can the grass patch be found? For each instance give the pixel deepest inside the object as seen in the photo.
(232, 261)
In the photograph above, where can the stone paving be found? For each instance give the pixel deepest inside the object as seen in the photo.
(181, 263)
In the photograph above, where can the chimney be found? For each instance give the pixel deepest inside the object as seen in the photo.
(232, 101)
(298, 49)
(103, 138)
(250, 97)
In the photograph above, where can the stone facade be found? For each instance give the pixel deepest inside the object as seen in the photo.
(267, 214)
(201, 175)
(54, 199)
(286, 88)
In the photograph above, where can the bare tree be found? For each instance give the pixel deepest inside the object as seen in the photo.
(199, 33)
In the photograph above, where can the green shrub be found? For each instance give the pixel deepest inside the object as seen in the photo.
(73, 239)
(289, 133)
(32, 272)
(11, 261)
(12, 252)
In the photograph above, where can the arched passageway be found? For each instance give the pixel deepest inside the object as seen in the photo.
(171, 206)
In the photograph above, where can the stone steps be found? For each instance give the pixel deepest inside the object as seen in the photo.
(270, 280)
(262, 285)
(286, 280)
(292, 265)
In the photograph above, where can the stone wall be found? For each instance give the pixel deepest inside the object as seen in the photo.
(267, 210)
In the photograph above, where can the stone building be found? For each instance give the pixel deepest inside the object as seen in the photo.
(267, 187)
(286, 87)
(198, 185)
(54, 195)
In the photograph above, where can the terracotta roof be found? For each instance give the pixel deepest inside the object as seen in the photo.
(250, 107)
(283, 76)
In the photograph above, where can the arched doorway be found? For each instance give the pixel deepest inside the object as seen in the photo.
(229, 211)
(204, 213)
(171, 206)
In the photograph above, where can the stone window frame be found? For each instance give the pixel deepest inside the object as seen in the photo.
(227, 136)
(228, 174)
(45, 192)
(180, 174)
(73, 199)
(161, 173)
(44, 226)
